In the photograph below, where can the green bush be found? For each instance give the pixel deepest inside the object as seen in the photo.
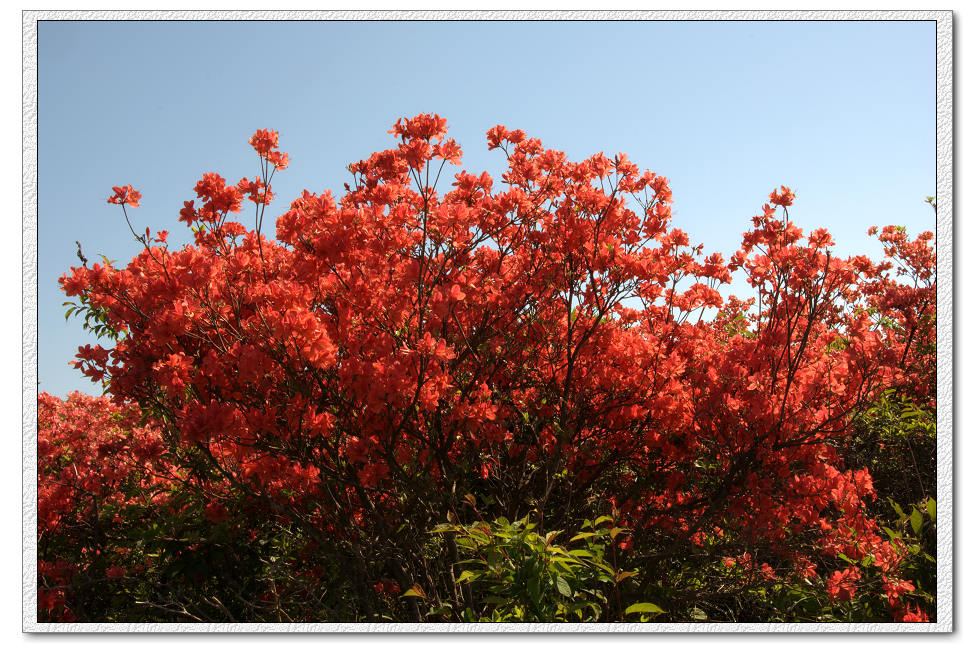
(511, 571)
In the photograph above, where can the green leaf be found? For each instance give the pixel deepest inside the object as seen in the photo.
(562, 585)
(583, 535)
(604, 518)
(443, 610)
(916, 520)
(466, 576)
(699, 614)
(416, 590)
(932, 507)
(646, 607)
(568, 565)
(897, 508)
(479, 536)
(604, 567)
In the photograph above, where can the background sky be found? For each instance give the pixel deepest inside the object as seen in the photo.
(843, 112)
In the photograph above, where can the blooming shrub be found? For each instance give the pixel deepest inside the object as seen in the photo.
(95, 468)
(540, 346)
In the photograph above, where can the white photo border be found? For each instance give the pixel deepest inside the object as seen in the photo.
(944, 193)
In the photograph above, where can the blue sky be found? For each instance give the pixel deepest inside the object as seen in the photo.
(843, 112)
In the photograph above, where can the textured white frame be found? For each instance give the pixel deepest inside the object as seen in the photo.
(944, 193)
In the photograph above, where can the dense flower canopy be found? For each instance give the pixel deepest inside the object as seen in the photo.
(551, 344)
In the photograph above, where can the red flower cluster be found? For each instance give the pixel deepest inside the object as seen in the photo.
(387, 587)
(842, 584)
(125, 195)
(783, 198)
(91, 454)
(265, 142)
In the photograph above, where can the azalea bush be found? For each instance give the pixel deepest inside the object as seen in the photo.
(326, 395)
(99, 475)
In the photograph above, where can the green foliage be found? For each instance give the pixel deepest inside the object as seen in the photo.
(514, 572)
(896, 439)
(95, 319)
(915, 535)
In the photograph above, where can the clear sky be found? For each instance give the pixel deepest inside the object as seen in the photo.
(843, 112)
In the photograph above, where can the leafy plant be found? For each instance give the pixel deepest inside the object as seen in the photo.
(516, 573)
